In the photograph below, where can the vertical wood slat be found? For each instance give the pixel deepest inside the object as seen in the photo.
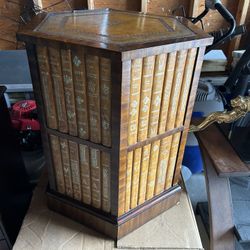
(241, 16)
(67, 72)
(121, 72)
(80, 86)
(189, 109)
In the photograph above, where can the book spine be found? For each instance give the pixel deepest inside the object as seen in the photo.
(47, 87)
(185, 87)
(146, 90)
(169, 75)
(105, 157)
(66, 167)
(132, 166)
(153, 163)
(95, 177)
(85, 173)
(57, 163)
(176, 88)
(172, 160)
(80, 84)
(56, 73)
(144, 173)
(75, 170)
(69, 90)
(128, 180)
(165, 147)
(105, 77)
(135, 177)
(92, 71)
(135, 89)
(159, 74)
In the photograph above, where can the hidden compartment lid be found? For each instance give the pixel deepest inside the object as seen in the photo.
(113, 30)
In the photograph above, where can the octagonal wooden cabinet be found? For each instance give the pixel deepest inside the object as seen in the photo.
(115, 92)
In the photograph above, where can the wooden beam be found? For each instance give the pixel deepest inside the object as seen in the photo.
(91, 4)
(144, 6)
(240, 19)
(194, 8)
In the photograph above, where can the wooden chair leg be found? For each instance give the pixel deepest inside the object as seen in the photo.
(220, 207)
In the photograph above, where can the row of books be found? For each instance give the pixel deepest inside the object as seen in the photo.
(76, 91)
(158, 100)
(81, 172)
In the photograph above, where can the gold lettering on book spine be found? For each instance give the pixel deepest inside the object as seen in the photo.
(69, 90)
(80, 84)
(105, 80)
(93, 90)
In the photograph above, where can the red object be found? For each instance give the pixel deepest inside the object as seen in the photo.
(21, 116)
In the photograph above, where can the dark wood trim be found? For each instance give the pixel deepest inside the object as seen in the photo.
(155, 138)
(148, 204)
(116, 106)
(34, 71)
(79, 140)
(220, 207)
(115, 227)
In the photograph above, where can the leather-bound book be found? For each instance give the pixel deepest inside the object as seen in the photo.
(105, 81)
(93, 82)
(56, 73)
(80, 85)
(95, 166)
(85, 173)
(69, 90)
(75, 170)
(47, 86)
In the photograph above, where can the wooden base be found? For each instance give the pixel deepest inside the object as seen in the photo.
(115, 227)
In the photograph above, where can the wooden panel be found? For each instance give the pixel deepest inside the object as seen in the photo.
(223, 156)
(114, 4)
(162, 7)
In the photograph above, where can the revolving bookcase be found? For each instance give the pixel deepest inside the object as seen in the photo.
(115, 92)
